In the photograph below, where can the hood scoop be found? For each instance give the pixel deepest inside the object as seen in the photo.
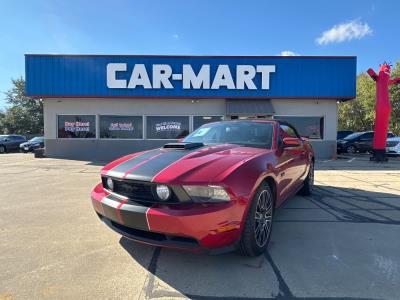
(182, 145)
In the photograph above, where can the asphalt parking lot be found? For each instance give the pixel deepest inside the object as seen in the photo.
(343, 242)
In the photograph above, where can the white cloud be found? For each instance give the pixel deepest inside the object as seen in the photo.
(288, 53)
(344, 32)
(175, 36)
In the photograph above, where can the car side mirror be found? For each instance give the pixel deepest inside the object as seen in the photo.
(291, 142)
(6, 140)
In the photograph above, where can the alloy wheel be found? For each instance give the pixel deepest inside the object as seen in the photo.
(2, 149)
(351, 150)
(263, 218)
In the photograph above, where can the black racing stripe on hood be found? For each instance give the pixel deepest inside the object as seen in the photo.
(147, 171)
(125, 166)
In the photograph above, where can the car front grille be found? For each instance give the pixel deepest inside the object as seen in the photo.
(392, 143)
(138, 190)
(133, 190)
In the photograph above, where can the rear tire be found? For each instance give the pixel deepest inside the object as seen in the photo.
(308, 185)
(258, 225)
(2, 149)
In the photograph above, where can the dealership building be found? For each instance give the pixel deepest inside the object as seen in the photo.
(99, 107)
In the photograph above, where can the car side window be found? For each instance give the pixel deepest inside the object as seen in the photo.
(367, 136)
(287, 131)
(295, 132)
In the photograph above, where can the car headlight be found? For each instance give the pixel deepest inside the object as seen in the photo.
(110, 184)
(163, 192)
(206, 193)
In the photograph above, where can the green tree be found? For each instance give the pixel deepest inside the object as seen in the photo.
(358, 114)
(25, 114)
(395, 100)
(2, 115)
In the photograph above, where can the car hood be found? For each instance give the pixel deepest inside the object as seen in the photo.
(201, 165)
(342, 141)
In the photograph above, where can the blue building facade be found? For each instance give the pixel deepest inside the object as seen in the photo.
(86, 76)
(95, 102)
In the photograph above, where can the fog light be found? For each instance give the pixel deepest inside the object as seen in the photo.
(110, 184)
(163, 192)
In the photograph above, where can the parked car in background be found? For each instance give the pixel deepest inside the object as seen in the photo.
(341, 134)
(393, 146)
(358, 142)
(10, 142)
(214, 191)
(32, 144)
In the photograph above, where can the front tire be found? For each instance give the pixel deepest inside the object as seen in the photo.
(351, 149)
(2, 149)
(258, 225)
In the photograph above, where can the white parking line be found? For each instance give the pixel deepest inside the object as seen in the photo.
(324, 161)
(350, 160)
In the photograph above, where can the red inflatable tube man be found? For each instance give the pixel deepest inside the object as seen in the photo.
(382, 109)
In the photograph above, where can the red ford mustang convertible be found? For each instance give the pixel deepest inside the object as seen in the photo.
(214, 191)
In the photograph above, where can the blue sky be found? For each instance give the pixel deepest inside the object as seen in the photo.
(367, 29)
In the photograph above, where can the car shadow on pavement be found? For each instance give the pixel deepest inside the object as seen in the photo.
(339, 243)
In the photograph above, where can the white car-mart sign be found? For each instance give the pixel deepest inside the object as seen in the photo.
(163, 77)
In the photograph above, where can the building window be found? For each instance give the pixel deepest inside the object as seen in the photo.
(121, 127)
(76, 126)
(311, 127)
(167, 127)
(201, 120)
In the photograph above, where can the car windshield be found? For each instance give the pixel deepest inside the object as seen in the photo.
(249, 134)
(37, 139)
(353, 136)
(2, 137)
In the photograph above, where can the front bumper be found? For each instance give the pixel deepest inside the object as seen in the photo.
(393, 150)
(28, 148)
(193, 227)
(24, 148)
(341, 147)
